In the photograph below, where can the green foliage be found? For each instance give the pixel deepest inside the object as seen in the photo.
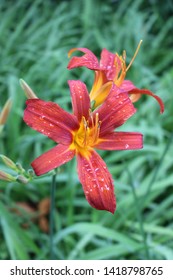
(35, 38)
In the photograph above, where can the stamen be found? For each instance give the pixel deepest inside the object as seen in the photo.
(86, 130)
(96, 128)
(97, 119)
(92, 122)
(135, 54)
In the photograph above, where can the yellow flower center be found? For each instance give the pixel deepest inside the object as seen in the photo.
(87, 136)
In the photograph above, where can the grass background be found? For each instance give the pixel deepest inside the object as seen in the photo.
(35, 37)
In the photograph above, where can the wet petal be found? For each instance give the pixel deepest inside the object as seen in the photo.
(121, 141)
(137, 91)
(107, 64)
(97, 182)
(107, 60)
(80, 99)
(53, 158)
(116, 109)
(127, 85)
(111, 64)
(50, 119)
(88, 60)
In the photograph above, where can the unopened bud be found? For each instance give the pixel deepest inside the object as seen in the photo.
(22, 179)
(8, 162)
(5, 112)
(6, 177)
(19, 167)
(28, 91)
(31, 173)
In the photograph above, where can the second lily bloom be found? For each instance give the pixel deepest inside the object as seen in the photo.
(110, 70)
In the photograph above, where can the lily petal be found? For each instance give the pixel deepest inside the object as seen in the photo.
(101, 94)
(107, 60)
(80, 99)
(50, 119)
(53, 158)
(97, 182)
(135, 93)
(121, 141)
(110, 63)
(116, 109)
(88, 60)
(127, 86)
(138, 91)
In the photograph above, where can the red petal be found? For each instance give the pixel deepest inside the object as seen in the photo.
(116, 109)
(97, 182)
(50, 119)
(127, 86)
(80, 99)
(53, 158)
(88, 60)
(148, 92)
(110, 63)
(121, 141)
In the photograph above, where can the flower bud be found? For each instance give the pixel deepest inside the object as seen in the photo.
(22, 179)
(6, 177)
(8, 162)
(5, 112)
(28, 91)
(31, 173)
(19, 167)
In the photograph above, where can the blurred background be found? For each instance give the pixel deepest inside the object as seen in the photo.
(35, 37)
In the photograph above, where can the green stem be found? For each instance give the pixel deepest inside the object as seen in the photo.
(52, 208)
(157, 170)
(139, 214)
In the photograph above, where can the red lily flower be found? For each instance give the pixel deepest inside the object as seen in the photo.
(79, 133)
(111, 70)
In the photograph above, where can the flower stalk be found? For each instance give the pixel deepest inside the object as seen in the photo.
(52, 214)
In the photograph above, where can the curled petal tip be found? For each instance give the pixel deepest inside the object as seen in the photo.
(71, 51)
(139, 92)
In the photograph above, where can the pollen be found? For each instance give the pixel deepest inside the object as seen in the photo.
(87, 136)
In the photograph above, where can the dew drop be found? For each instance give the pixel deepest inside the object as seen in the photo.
(127, 146)
(106, 187)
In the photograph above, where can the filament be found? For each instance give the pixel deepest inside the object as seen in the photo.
(135, 54)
